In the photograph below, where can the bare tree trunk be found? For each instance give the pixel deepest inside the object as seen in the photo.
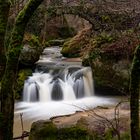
(4, 12)
(7, 85)
(135, 91)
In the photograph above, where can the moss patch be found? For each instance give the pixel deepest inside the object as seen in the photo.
(48, 131)
(42, 130)
(32, 40)
(55, 42)
(73, 47)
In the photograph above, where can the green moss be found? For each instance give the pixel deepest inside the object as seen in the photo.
(69, 51)
(75, 45)
(125, 136)
(47, 131)
(108, 135)
(32, 40)
(55, 42)
(43, 131)
(73, 133)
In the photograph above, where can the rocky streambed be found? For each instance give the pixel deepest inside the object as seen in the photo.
(88, 124)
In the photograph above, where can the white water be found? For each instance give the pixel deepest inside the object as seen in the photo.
(58, 88)
(35, 111)
(44, 87)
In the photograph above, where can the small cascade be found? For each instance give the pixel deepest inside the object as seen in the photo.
(44, 87)
(56, 79)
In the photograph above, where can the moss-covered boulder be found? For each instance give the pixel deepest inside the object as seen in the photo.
(47, 130)
(55, 42)
(73, 47)
(31, 50)
(43, 130)
(110, 59)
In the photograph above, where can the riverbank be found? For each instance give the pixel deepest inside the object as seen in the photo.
(90, 118)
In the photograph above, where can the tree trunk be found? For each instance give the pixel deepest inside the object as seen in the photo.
(7, 85)
(134, 90)
(4, 12)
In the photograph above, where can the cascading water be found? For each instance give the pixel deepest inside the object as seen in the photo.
(59, 86)
(44, 87)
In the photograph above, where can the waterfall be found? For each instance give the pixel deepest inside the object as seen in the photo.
(44, 87)
(56, 79)
(59, 86)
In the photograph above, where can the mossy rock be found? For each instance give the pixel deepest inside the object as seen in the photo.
(74, 133)
(68, 51)
(31, 51)
(110, 58)
(73, 47)
(22, 76)
(55, 42)
(111, 74)
(43, 130)
(47, 130)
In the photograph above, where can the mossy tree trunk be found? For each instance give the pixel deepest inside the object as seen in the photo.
(7, 84)
(4, 12)
(135, 90)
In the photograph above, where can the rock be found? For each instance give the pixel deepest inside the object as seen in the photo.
(47, 130)
(29, 55)
(110, 59)
(31, 50)
(73, 47)
(105, 75)
(42, 130)
(55, 42)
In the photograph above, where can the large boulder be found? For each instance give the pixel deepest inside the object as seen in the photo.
(110, 60)
(73, 47)
(31, 50)
(47, 130)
